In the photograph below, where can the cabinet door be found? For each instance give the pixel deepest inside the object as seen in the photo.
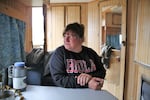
(60, 16)
(73, 14)
(57, 26)
(113, 19)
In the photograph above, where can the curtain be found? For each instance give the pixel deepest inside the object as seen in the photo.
(12, 33)
(113, 40)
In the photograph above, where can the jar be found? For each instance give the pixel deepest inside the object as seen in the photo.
(19, 76)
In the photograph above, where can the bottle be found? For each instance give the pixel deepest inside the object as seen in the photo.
(19, 76)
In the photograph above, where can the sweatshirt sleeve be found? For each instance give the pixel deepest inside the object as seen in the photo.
(58, 71)
(100, 70)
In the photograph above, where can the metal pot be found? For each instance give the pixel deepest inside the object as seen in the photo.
(7, 95)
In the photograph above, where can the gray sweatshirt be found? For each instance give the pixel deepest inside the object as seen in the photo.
(65, 66)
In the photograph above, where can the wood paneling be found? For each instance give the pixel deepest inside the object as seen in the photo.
(119, 67)
(28, 36)
(58, 18)
(84, 20)
(136, 33)
(61, 15)
(113, 20)
(131, 68)
(113, 30)
(93, 26)
(11, 8)
(73, 14)
(21, 12)
(142, 54)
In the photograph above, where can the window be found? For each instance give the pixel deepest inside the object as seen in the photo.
(37, 27)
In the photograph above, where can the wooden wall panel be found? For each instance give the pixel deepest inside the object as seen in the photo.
(73, 14)
(131, 68)
(58, 18)
(84, 20)
(143, 33)
(11, 8)
(16, 9)
(93, 26)
(138, 34)
(28, 36)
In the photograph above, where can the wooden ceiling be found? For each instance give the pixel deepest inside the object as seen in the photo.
(69, 1)
(32, 2)
(40, 2)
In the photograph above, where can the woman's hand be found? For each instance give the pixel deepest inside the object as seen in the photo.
(96, 83)
(83, 79)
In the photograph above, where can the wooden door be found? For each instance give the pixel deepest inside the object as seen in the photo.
(114, 81)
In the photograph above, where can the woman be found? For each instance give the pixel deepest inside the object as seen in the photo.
(74, 65)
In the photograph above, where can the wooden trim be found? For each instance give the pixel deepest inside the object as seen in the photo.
(12, 12)
(66, 4)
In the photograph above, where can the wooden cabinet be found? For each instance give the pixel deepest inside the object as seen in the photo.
(113, 23)
(61, 16)
(56, 26)
(113, 19)
(113, 30)
(111, 26)
(73, 14)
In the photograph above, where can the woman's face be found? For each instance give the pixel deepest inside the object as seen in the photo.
(72, 42)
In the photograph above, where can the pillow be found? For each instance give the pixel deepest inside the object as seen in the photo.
(46, 65)
(35, 56)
